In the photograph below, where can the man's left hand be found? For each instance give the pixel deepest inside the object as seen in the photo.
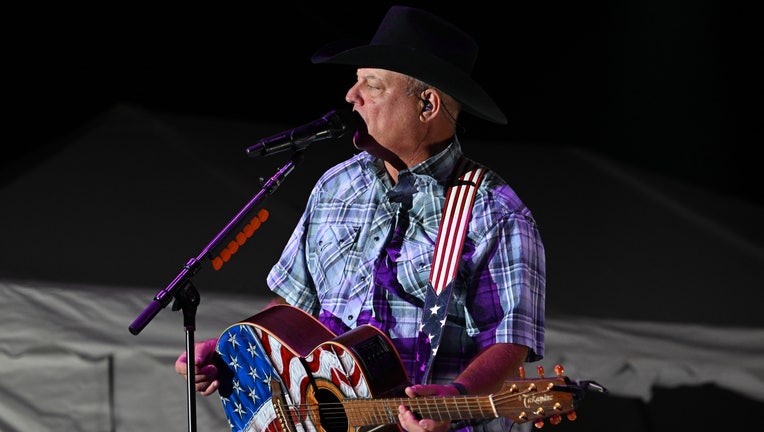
(409, 420)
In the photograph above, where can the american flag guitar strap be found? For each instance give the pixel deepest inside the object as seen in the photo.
(453, 227)
(448, 249)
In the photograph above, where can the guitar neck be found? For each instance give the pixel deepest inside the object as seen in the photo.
(370, 412)
(520, 400)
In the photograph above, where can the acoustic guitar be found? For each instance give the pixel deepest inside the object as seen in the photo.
(282, 370)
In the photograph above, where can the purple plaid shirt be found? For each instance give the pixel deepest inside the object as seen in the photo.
(328, 265)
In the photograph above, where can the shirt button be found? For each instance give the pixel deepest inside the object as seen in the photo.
(350, 317)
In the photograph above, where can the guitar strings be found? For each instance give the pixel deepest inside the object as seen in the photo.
(356, 412)
(439, 408)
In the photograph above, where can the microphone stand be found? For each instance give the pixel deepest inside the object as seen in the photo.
(185, 293)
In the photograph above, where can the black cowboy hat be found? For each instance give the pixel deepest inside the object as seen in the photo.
(419, 44)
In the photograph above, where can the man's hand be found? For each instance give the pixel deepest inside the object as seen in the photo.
(407, 418)
(205, 371)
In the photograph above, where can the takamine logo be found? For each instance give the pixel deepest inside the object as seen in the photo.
(535, 400)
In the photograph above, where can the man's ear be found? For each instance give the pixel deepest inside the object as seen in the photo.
(430, 101)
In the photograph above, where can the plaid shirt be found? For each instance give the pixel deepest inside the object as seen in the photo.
(327, 267)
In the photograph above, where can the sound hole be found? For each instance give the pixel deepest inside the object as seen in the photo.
(331, 412)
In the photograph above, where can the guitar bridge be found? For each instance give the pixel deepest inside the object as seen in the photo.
(281, 407)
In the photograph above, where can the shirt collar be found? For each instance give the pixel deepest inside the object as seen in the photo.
(438, 168)
(441, 166)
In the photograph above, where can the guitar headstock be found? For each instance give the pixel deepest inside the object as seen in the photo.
(540, 399)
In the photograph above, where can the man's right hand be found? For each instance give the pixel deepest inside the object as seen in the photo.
(205, 371)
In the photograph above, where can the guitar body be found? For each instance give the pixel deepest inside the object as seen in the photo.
(284, 371)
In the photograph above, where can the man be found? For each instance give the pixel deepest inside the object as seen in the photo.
(363, 250)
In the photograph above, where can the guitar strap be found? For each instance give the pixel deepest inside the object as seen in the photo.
(448, 249)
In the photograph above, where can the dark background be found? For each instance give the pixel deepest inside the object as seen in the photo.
(666, 85)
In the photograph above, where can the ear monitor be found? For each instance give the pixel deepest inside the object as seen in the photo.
(427, 105)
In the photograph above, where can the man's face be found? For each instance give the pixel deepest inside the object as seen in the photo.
(391, 129)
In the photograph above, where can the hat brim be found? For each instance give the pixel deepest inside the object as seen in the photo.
(418, 64)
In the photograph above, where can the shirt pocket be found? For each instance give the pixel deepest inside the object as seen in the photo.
(414, 264)
(331, 253)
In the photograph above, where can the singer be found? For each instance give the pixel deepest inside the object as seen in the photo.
(460, 297)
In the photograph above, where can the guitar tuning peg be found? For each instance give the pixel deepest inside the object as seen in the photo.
(558, 369)
(555, 419)
(540, 370)
(571, 415)
(522, 372)
(539, 423)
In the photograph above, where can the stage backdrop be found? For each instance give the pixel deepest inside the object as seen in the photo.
(652, 284)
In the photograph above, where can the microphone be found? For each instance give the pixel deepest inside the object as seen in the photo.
(333, 124)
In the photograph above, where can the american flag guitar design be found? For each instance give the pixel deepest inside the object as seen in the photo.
(283, 371)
